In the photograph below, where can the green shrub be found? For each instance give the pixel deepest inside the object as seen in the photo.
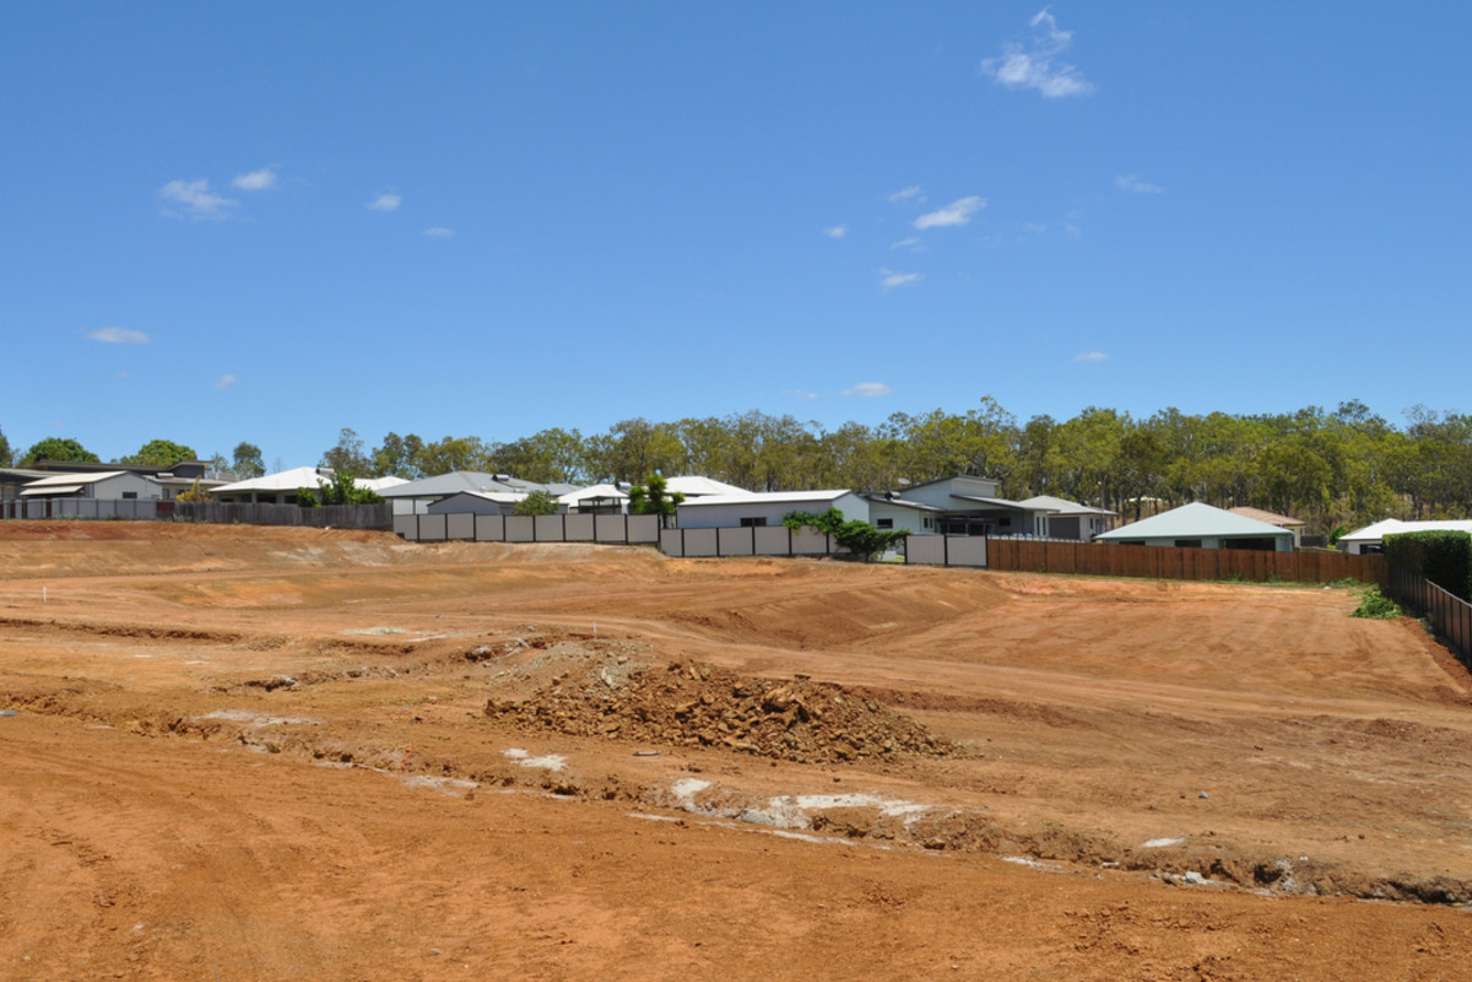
(1376, 605)
(829, 522)
(537, 503)
(1444, 558)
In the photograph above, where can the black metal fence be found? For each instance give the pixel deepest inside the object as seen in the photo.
(1450, 615)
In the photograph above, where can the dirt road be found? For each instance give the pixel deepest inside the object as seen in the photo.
(265, 753)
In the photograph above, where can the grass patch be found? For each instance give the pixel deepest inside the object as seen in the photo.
(1377, 606)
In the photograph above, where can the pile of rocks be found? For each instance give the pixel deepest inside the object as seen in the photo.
(695, 704)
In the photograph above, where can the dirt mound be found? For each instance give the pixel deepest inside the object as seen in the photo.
(695, 704)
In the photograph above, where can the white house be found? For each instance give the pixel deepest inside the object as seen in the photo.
(894, 513)
(1070, 519)
(477, 503)
(415, 497)
(695, 486)
(101, 485)
(1371, 538)
(974, 506)
(759, 509)
(597, 499)
(273, 489)
(1202, 526)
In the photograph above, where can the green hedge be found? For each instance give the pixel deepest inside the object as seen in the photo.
(1444, 558)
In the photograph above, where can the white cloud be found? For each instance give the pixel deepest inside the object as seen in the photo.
(1090, 358)
(439, 232)
(910, 242)
(958, 212)
(226, 381)
(118, 335)
(1036, 65)
(910, 193)
(194, 199)
(889, 279)
(868, 390)
(1135, 185)
(836, 231)
(255, 180)
(387, 201)
(804, 394)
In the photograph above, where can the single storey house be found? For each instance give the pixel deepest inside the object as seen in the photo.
(597, 499)
(1294, 525)
(477, 503)
(1202, 526)
(695, 486)
(279, 488)
(415, 497)
(1371, 538)
(1069, 519)
(101, 485)
(758, 509)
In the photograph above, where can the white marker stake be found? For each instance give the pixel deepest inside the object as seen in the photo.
(43, 595)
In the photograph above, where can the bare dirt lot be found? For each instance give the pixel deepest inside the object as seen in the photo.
(272, 753)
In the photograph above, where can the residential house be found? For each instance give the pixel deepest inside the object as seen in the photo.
(99, 485)
(1294, 525)
(766, 508)
(415, 497)
(1371, 538)
(1202, 526)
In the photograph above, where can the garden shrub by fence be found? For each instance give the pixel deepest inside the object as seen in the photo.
(1443, 557)
(1165, 562)
(607, 529)
(376, 516)
(1450, 615)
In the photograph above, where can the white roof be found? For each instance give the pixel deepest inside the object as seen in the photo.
(379, 483)
(1062, 506)
(1194, 521)
(592, 491)
(289, 480)
(692, 485)
(500, 497)
(51, 489)
(53, 485)
(1394, 526)
(752, 497)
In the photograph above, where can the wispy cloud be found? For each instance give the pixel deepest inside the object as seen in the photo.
(868, 390)
(910, 242)
(836, 231)
(958, 212)
(909, 193)
(118, 335)
(806, 395)
(1090, 358)
(1037, 64)
(1134, 184)
(439, 232)
(255, 180)
(194, 199)
(226, 381)
(889, 278)
(387, 201)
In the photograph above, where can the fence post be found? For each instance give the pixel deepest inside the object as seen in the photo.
(945, 549)
(418, 531)
(682, 541)
(753, 540)
(789, 542)
(626, 532)
(564, 526)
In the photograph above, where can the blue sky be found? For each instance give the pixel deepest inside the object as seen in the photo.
(266, 223)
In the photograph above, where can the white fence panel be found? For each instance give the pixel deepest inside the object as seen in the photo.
(580, 528)
(926, 550)
(490, 528)
(966, 550)
(431, 528)
(772, 540)
(643, 528)
(809, 542)
(735, 542)
(700, 542)
(519, 528)
(460, 526)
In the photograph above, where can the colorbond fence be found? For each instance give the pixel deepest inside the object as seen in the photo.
(772, 540)
(607, 529)
(1165, 562)
(131, 509)
(1449, 614)
(376, 516)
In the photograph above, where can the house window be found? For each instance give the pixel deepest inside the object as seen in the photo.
(884, 523)
(1188, 543)
(927, 523)
(753, 523)
(129, 495)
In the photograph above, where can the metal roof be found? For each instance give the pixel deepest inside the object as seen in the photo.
(288, 480)
(1394, 526)
(51, 489)
(1061, 506)
(995, 502)
(444, 485)
(771, 497)
(1196, 520)
(881, 499)
(1272, 518)
(379, 483)
(593, 491)
(695, 485)
(61, 480)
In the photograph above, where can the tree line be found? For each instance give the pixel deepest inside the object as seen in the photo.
(1346, 466)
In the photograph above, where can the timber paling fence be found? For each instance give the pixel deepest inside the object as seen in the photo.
(1448, 613)
(1171, 563)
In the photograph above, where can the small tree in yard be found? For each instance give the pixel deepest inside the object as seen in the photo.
(858, 537)
(342, 490)
(653, 498)
(537, 503)
(829, 522)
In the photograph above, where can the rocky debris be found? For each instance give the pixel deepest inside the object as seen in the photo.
(273, 683)
(696, 704)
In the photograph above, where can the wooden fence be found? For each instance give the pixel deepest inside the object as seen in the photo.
(1165, 562)
(377, 516)
(1449, 614)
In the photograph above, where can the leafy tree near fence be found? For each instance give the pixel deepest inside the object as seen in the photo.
(248, 462)
(653, 497)
(341, 490)
(537, 503)
(57, 448)
(858, 537)
(1444, 558)
(162, 454)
